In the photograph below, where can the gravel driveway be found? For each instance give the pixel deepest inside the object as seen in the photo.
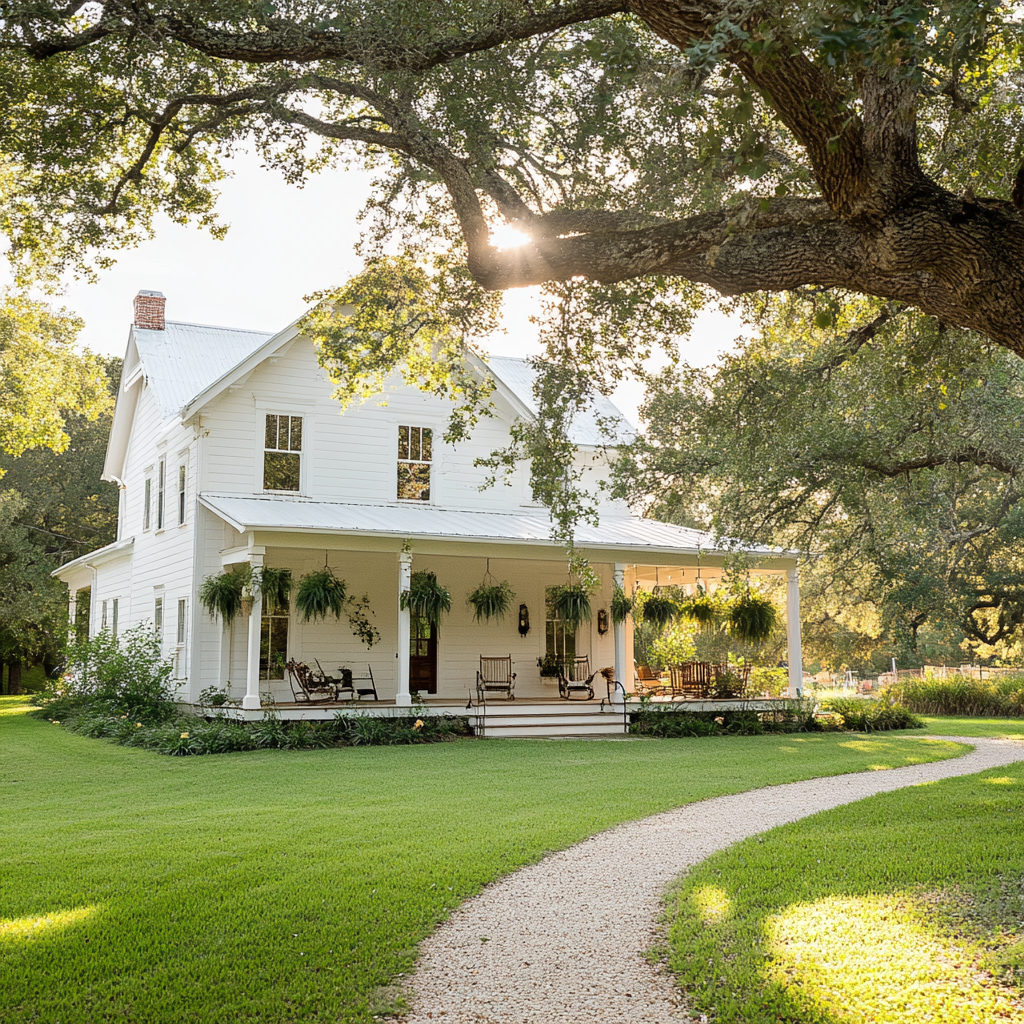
(562, 940)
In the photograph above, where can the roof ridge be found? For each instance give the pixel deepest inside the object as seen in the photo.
(218, 327)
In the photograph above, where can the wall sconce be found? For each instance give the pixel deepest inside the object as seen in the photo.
(524, 620)
(602, 621)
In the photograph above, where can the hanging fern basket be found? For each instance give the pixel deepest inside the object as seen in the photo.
(659, 611)
(276, 587)
(572, 604)
(700, 608)
(491, 601)
(622, 605)
(426, 598)
(221, 594)
(752, 618)
(320, 594)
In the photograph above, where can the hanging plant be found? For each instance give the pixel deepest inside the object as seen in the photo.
(572, 604)
(320, 594)
(426, 598)
(701, 608)
(752, 618)
(491, 602)
(358, 611)
(275, 586)
(622, 605)
(221, 594)
(659, 610)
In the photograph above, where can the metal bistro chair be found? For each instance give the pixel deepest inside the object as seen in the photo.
(347, 685)
(306, 688)
(495, 675)
(579, 680)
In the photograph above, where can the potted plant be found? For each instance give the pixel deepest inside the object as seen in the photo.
(572, 604)
(319, 594)
(701, 608)
(622, 605)
(426, 598)
(221, 594)
(275, 586)
(491, 600)
(752, 618)
(659, 610)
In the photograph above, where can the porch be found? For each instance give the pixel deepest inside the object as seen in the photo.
(376, 550)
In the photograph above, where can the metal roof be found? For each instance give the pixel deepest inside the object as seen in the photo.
(518, 375)
(184, 359)
(286, 514)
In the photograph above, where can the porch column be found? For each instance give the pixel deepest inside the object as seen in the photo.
(251, 700)
(619, 631)
(795, 652)
(403, 698)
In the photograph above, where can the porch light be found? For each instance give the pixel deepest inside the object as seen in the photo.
(524, 620)
(602, 621)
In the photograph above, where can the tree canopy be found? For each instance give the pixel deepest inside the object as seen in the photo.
(749, 147)
(891, 447)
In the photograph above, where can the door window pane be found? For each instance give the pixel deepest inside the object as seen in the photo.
(273, 646)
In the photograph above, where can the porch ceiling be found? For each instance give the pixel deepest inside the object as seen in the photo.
(620, 538)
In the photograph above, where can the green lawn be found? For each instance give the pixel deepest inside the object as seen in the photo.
(902, 908)
(999, 728)
(282, 886)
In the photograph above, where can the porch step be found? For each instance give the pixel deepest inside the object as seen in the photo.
(539, 720)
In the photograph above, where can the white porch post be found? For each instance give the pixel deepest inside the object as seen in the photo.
(619, 628)
(251, 700)
(795, 653)
(403, 698)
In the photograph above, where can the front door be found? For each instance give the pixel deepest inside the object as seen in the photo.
(422, 655)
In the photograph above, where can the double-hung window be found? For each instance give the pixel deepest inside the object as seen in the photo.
(282, 453)
(415, 454)
(559, 636)
(158, 620)
(182, 609)
(181, 493)
(147, 502)
(161, 487)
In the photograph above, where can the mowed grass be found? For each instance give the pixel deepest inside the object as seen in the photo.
(283, 886)
(902, 908)
(994, 728)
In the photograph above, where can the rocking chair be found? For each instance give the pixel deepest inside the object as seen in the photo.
(306, 687)
(576, 677)
(494, 676)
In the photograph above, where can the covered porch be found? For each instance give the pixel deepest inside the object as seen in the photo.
(376, 550)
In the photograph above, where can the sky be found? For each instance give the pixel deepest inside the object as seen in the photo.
(285, 243)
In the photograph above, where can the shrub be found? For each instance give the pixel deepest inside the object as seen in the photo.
(773, 681)
(869, 715)
(112, 676)
(962, 695)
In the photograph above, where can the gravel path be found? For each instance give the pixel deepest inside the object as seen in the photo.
(565, 937)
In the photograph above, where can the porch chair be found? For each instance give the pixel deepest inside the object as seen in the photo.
(306, 688)
(579, 680)
(731, 691)
(494, 676)
(690, 679)
(342, 686)
(648, 682)
(369, 687)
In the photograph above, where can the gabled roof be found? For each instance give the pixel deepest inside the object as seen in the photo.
(183, 360)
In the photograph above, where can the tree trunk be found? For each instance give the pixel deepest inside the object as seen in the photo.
(14, 677)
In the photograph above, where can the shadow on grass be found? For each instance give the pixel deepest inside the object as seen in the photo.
(901, 908)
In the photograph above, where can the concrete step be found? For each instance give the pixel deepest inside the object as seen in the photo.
(552, 731)
(547, 720)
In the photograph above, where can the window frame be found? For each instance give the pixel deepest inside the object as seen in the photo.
(147, 502)
(265, 671)
(181, 634)
(302, 453)
(158, 619)
(182, 489)
(161, 492)
(432, 478)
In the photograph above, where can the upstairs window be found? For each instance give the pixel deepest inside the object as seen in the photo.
(147, 502)
(282, 459)
(161, 487)
(158, 620)
(415, 453)
(181, 494)
(182, 610)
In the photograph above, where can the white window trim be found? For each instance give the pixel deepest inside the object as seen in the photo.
(147, 502)
(435, 462)
(161, 495)
(181, 490)
(305, 456)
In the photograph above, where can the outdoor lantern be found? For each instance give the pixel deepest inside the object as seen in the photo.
(524, 620)
(602, 621)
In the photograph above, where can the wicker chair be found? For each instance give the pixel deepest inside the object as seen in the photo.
(495, 675)
(648, 682)
(579, 679)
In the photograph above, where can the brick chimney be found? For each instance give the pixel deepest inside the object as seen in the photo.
(149, 310)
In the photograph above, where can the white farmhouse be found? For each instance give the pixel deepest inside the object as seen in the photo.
(228, 448)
